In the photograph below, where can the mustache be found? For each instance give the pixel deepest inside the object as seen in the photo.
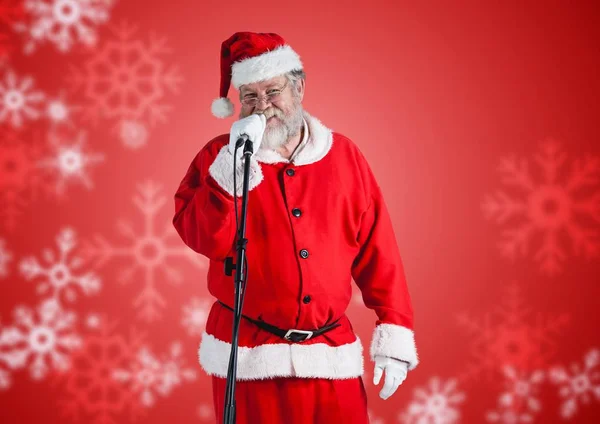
(269, 113)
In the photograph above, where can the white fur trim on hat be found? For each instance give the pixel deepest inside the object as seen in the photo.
(222, 107)
(268, 65)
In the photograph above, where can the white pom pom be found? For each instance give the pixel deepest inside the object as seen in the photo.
(222, 107)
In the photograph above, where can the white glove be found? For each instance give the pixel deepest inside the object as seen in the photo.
(254, 126)
(395, 373)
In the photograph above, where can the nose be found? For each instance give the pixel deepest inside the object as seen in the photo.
(259, 106)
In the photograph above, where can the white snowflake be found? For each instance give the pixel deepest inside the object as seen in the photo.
(150, 376)
(19, 100)
(520, 400)
(374, 419)
(93, 321)
(49, 339)
(5, 376)
(5, 258)
(507, 414)
(133, 134)
(60, 274)
(5, 379)
(206, 412)
(59, 111)
(194, 316)
(551, 207)
(174, 371)
(62, 22)
(149, 251)
(523, 388)
(70, 161)
(580, 384)
(437, 404)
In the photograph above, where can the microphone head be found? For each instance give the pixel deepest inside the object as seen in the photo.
(241, 140)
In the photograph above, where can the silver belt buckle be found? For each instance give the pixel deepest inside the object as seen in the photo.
(308, 333)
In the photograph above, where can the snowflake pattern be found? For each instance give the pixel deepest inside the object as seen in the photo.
(519, 402)
(149, 376)
(59, 111)
(60, 276)
(148, 251)
(206, 413)
(20, 178)
(195, 314)
(510, 334)
(5, 258)
(436, 404)
(507, 413)
(70, 162)
(93, 321)
(126, 81)
(89, 390)
(549, 207)
(5, 379)
(19, 101)
(5, 375)
(374, 419)
(579, 384)
(63, 23)
(49, 339)
(133, 134)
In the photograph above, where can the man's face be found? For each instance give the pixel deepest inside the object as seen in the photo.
(284, 115)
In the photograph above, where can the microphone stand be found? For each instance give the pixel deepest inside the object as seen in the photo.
(229, 409)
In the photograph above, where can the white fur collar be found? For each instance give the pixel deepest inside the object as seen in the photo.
(320, 140)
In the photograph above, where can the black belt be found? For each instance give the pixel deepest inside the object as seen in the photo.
(291, 335)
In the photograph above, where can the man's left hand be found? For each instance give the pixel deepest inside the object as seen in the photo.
(395, 374)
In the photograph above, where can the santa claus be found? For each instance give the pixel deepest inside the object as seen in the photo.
(316, 221)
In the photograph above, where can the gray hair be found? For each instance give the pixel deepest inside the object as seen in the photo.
(295, 76)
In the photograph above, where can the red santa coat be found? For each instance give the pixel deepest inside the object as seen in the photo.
(313, 224)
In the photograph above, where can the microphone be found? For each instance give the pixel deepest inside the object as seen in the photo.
(241, 140)
(244, 140)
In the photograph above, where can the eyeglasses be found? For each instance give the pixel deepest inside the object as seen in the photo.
(272, 96)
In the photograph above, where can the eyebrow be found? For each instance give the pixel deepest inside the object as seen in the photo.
(271, 85)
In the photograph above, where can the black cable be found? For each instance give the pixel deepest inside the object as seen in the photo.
(237, 227)
(237, 318)
(235, 192)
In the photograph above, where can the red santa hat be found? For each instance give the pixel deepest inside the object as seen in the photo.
(248, 57)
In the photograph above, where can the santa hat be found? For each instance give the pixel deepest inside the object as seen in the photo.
(248, 57)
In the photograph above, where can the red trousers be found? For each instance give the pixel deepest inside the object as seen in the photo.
(295, 401)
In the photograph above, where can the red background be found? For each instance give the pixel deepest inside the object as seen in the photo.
(442, 99)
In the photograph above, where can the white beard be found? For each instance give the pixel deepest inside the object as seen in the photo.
(275, 136)
(285, 127)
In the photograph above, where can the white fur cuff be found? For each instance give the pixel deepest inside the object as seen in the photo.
(318, 360)
(395, 341)
(222, 171)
